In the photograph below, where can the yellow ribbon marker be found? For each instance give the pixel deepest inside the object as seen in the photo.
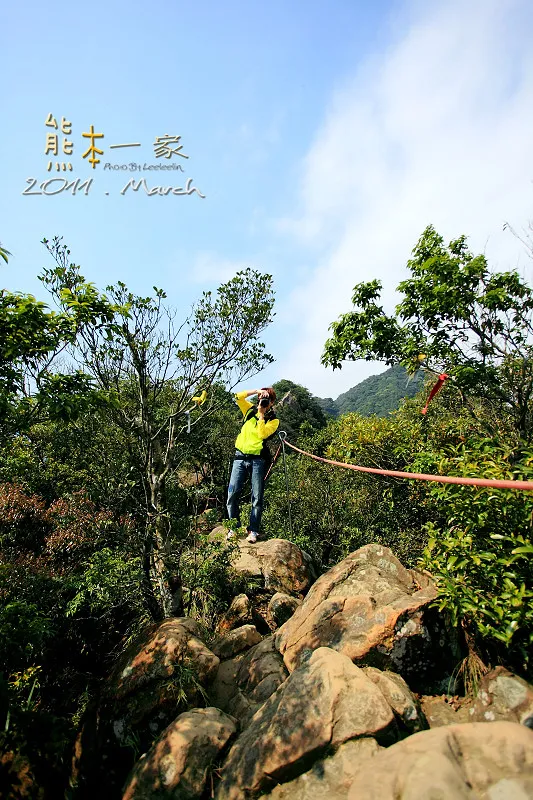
(200, 399)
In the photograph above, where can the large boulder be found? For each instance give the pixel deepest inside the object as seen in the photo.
(279, 564)
(324, 703)
(276, 565)
(239, 613)
(444, 709)
(503, 696)
(280, 608)
(407, 710)
(158, 653)
(330, 777)
(235, 641)
(179, 763)
(261, 671)
(457, 762)
(242, 684)
(163, 672)
(143, 680)
(376, 612)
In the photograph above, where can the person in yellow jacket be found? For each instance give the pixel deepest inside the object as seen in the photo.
(251, 455)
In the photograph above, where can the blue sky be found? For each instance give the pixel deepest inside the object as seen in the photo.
(325, 137)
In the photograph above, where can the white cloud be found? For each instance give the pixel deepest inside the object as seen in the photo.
(438, 129)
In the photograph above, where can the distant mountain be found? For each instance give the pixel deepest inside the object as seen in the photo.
(379, 394)
(327, 404)
(296, 406)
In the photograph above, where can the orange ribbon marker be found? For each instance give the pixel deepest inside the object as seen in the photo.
(438, 386)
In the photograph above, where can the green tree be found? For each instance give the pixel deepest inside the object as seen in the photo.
(151, 367)
(32, 337)
(480, 549)
(455, 317)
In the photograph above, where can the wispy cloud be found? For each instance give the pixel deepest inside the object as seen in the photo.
(438, 129)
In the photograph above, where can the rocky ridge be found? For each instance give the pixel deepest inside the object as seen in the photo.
(342, 693)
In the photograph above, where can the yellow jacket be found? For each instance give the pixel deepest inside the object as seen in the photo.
(254, 431)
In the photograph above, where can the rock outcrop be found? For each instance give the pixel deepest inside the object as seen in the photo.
(179, 762)
(376, 612)
(244, 683)
(277, 565)
(503, 696)
(442, 710)
(235, 641)
(164, 671)
(147, 665)
(325, 702)
(407, 710)
(328, 778)
(239, 613)
(280, 609)
(456, 762)
(323, 707)
(280, 564)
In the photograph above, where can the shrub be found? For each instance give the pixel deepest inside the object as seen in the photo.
(481, 552)
(210, 583)
(334, 510)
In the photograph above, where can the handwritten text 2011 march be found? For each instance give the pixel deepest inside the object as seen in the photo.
(53, 186)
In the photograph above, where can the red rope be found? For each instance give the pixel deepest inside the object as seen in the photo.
(493, 484)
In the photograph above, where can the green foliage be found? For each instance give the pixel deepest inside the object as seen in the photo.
(377, 395)
(480, 551)
(207, 454)
(150, 368)
(27, 729)
(334, 510)
(31, 338)
(24, 632)
(23, 521)
(4, 253)
(57, 459)
(476, 542)
(98, 480)
(94, 506)
(328, 406)
(67, 599)
(455, 316)
(206, 574)
(108, 582)
(210, 580)
(59, 536)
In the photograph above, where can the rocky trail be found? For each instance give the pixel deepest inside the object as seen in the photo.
(334, 686)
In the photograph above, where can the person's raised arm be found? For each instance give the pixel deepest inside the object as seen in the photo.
(242, 402)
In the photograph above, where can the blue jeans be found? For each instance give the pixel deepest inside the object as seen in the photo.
(242, 468)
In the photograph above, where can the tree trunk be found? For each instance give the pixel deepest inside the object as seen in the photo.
(150, 597)
(167, 597)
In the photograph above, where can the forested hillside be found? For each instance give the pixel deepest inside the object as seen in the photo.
(379, 394)
(114, 472)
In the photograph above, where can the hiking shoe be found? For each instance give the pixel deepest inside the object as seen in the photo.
(230, 535)
(252, 537)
